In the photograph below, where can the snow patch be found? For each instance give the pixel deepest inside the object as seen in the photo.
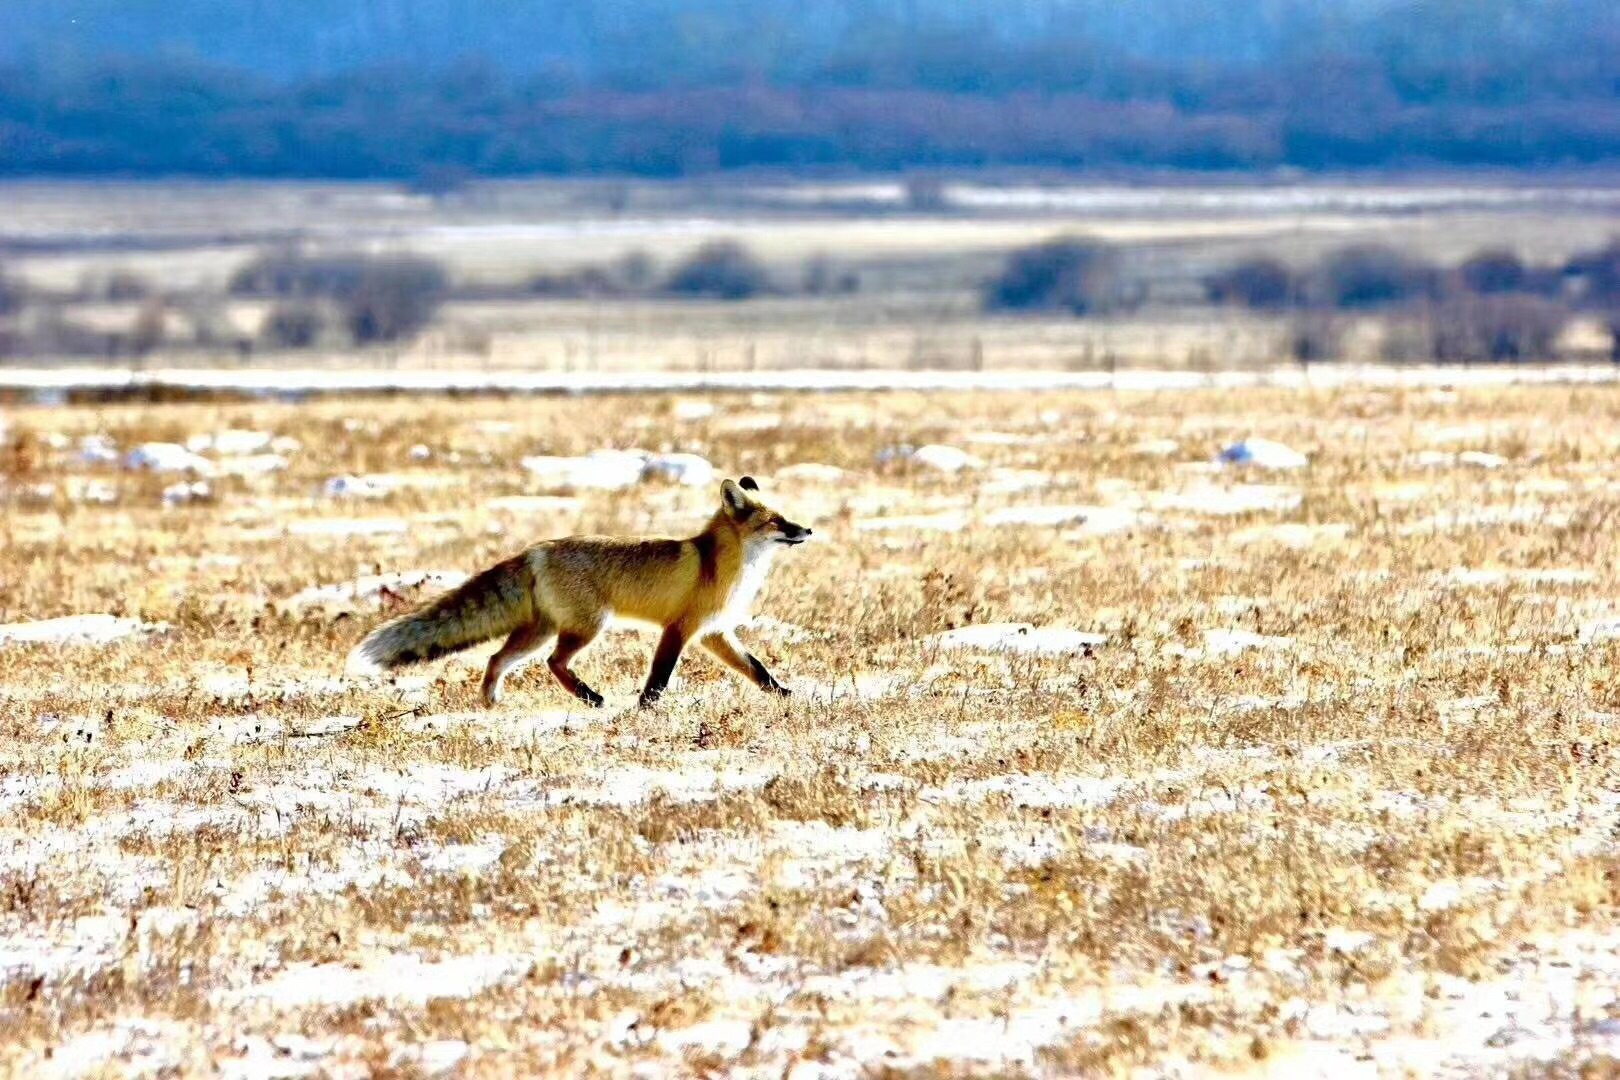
(600, 470)
(935, 456)
(692, 410)
(371, 590)
(1108, 520)
(1012, 481)
(441, 1057)
(77, 630)
(187, 492)
(401, 979)
(139, 1046)
(168, 457)
(617, 470)
(1224, 642)
(236, 442)
(1525, 514)
(1039, 515)
(1439, 459)
(628, 785)
(252, 465)
(97, 450)
(1599, 631)
(355, 487)
(1020, 638)
(728, 1038)
(1263, 454)
(688, 470)
(1338, 939)
(1036, 792)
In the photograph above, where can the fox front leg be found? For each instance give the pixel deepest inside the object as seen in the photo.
(665, 658)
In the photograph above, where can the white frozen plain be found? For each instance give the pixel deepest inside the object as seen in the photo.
(302, 382)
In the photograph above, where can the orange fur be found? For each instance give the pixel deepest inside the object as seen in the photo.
(696, 589)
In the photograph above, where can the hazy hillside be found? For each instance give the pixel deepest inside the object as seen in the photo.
(603, 38)
(396, 87)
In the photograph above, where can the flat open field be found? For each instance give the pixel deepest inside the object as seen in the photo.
(1301, 770)
(917, 305)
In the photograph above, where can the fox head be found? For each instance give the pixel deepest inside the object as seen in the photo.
(739, 504)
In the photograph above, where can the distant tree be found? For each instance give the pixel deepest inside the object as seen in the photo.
(616, 197)
(1495, 327)
(1373, 275)
(636, 269)
(395, 297)
(1315, 336)
(822, 278)
(118, 284)
(1493, 270)
(293, 325)
(150, 326)
(210, 320)
(1070, 274)
(382, 297)
(292, 274)
(47, 331)
(632, 274)
(1597, 275)
(393, 89)
(13, 294)
(721, 270)
(1259, 282)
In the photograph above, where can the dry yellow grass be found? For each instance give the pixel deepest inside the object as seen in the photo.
(1336, 794)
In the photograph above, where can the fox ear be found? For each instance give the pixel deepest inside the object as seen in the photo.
(733, 498)
(748, 483)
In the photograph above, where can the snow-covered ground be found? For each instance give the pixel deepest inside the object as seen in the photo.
(1103, 754)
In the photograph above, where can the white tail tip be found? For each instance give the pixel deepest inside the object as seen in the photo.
(360, 664)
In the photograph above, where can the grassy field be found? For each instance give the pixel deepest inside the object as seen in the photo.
(1294, 771)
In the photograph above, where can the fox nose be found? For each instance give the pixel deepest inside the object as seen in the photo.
(809, 532)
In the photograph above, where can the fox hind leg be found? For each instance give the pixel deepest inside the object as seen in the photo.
(569, 643)
(726, 648)
(523, 643)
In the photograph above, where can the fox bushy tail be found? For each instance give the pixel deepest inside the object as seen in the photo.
(493, 603)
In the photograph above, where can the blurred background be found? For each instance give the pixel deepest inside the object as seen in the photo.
(713, 185)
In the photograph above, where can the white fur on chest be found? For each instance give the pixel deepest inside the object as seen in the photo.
(740, 604)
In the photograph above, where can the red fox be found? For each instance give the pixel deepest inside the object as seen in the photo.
(698, 589)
